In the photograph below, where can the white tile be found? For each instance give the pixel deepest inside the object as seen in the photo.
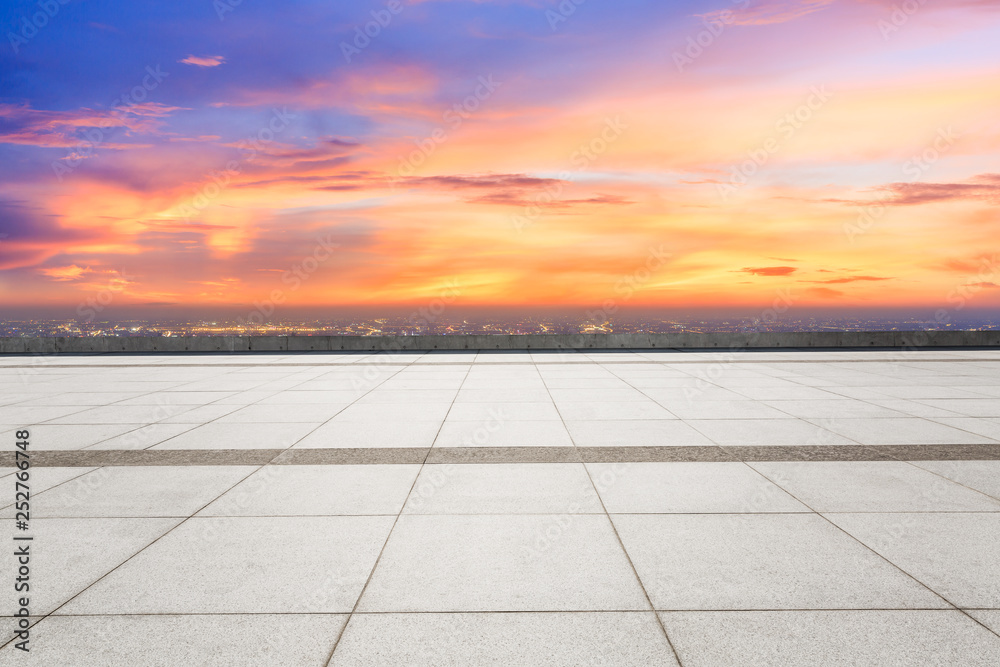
(66, 436)
(481, 412)
(144, 437)
(402, 412)
(688, 487)
(569, 562)
(967, 407)
(70, 554)
(873, 486)
(956, 555)
(145, 491)
(761, 561)
(983, 476)
(505, 433)
(841, 638)
(767, 432)
(506, 488)
(125, 414)
(372, 434)
(316, 490)
(709, 409)
(544, 639)
(244, 565)
(910, 431)
(989, 428)
(635, 433)
(307, 413)
(639, 409)
(837, 408)
(147, 641)
(238, 436)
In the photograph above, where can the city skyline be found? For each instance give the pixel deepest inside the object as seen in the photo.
(499, 154)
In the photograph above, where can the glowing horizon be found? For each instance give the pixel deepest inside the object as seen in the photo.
(832, 153)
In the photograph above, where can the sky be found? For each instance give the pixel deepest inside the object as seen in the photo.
(307, 154)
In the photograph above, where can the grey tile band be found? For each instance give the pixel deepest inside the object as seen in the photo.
(412, 455)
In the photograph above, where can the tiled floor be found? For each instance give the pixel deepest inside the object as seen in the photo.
(625, 508)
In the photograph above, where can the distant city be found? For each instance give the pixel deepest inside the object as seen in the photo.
(401, 326)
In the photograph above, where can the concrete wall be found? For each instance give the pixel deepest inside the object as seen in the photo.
(800, 339)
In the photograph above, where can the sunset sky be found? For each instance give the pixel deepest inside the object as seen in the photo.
(214, 153)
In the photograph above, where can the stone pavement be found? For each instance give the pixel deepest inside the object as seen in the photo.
(608, 508)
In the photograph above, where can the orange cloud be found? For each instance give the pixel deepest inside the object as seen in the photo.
(769, 270)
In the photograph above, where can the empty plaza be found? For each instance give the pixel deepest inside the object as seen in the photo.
(633, 507)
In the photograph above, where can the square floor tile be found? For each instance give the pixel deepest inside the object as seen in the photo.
(42, 479)
(503, 434)
(144, 437)
(202, 414)
(66, 436)
(635, 433)
(767, 432)
(706, 409)
(146, 491)
(983, 476)
(910, 431)
(123, 414)
(550, 639)
(830, 638)
(640, 409)
(872, 486)
(372, 434)
(481, 412)
(688, 487)
(238, 436)
(218, 641)
(244, 565)
(505, 488)
(70, 554)
(837, 408)
(761, 561)
(403, 412)
(309, 413)
(956, 555)
(317, 490)
(967, 407)
(503, 563)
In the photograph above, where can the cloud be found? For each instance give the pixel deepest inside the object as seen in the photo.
(976, 264)
(20, 124)
(71, 272)
(984, 187)
(768, 13)
(203, 61)
(850, 279)
(488, 181)
(984, 285)
(768, 270)
(824, 292)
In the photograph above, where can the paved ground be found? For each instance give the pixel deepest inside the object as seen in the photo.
(619, 508)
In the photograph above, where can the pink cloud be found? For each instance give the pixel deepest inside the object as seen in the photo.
(203, 61)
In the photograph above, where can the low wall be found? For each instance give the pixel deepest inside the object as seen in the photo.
(796, 339)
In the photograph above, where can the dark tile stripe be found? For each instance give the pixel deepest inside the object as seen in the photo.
(401, 455)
